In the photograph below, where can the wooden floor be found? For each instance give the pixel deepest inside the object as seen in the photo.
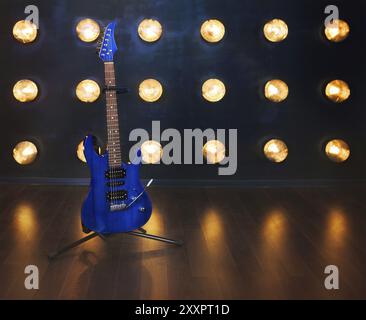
(239, 244)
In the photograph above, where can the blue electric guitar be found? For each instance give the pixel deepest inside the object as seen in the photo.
(117, 201)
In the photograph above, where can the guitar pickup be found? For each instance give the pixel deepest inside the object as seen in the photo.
(115, 173)
(117, 195)
(115, 183)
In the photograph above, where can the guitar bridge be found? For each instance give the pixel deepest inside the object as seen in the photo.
(117, 207)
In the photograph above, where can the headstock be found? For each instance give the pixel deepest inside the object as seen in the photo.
(107, 46)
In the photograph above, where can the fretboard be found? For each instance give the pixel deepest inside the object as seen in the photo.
(113, 144)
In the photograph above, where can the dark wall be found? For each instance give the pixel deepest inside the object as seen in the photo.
(181, 60)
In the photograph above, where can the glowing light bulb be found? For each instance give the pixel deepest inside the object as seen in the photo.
(276, 90)
(275, 150)
(337, 31)
(25, 90)
(273, 90)
(88, 30)
(212, 30)
(152, 151)
(88, 91)
(214, 151)
(275, 30)
(337, 150)
(213, 90)
(334, 90)
(334, 150)
(150, 30)
(25, 31)
(25, 152)
(337, 91)
(80, 151)
(150, 90)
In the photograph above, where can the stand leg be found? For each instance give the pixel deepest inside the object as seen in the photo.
(142, 234)
(72, 245)
(152, 237)
(141, 230)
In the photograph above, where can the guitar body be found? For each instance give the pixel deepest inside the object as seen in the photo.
(96, 214)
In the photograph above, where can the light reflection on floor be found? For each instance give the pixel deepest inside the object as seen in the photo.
(213, 225)
(26, 223)
(272, 250)
(336, 228)
(274, 228)
(155, 224)
(284, 247)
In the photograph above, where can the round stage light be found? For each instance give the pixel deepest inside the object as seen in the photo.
(152, 151)
(25, 31)
(150, 90)
(337, 150)
(337, 31)
(276, 90)
(214, 151)
(212, 30)
(25, 90)
(275, 30)
(80, 151)
(150, 30)
(25, 152)
(275, 150)
(88, 30)
(337, 91)
(88, 91)
(213, 90)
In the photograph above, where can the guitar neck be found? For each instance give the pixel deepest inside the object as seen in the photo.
(113, 144)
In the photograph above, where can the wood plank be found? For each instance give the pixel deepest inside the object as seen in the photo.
(239, 243)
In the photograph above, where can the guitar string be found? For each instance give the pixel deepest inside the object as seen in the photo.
(115, 116)
(108, 133)
(108, 146)
(109, 115)
(114, 168)
(109, 175)
(109, 153)
(113, 104)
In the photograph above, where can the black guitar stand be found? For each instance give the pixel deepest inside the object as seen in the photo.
(140, 233)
